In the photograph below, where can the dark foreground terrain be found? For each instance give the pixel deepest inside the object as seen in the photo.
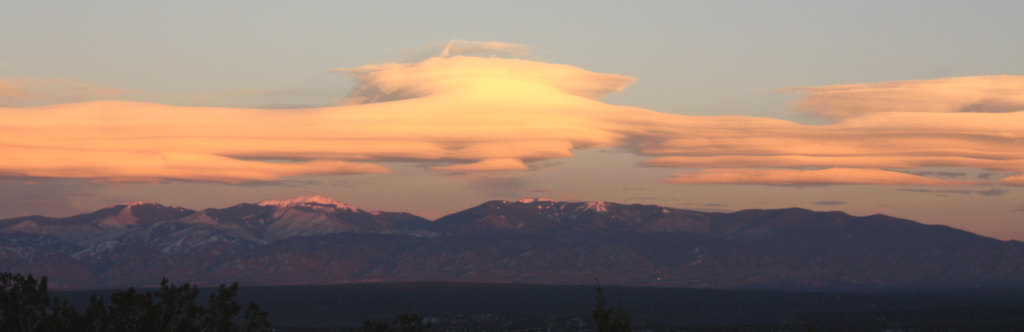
(476, 306)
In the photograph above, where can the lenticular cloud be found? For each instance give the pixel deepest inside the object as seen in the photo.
(479, 114)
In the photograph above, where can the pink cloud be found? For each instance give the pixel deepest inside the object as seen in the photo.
(795, 177)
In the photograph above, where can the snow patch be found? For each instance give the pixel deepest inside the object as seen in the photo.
(27, 226)
(600, 206)
(534, 200)
(293, 223)
(122, 219)
(131, 204)
(199, 218)
(308, 201)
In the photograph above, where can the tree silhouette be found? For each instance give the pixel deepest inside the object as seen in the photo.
(222, 309)
(26, 306)
(609, 319)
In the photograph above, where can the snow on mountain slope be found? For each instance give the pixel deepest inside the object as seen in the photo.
(310, 201)
(175, 230)
(545, 215)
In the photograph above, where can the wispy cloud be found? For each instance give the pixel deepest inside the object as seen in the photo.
(796, 177)
(987, 192)
(21, 91)
(467, 48)
(1016, 180)
(938, 174)
(984, 94)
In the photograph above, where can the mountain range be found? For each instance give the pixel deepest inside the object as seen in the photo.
(316, 240)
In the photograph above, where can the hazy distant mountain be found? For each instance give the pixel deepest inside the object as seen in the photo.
(315, 240)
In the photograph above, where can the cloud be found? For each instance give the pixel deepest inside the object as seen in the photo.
(484, 114)
(876, 142)
(985, 94)
(829, 203)
(991, 192)
(1016, 180)
(479, 48)
(21, 92)
(467, 48)
(938, 174)
(133, 165)
(795, 177)
(495, 78)
(987, 192)
(493, 164)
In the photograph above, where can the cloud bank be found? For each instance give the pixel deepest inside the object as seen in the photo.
(480, 114)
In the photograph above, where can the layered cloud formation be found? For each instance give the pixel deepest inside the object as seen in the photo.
(470, 113)
(862, 150)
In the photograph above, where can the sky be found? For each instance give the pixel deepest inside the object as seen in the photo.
(913, 109)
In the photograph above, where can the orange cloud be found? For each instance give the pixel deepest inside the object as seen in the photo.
(494, 114)
(984, 94)
(486, 113)
(495, 79)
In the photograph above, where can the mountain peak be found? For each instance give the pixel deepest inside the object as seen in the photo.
(308, 201)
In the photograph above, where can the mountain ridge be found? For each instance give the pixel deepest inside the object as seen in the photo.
(314, 239)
